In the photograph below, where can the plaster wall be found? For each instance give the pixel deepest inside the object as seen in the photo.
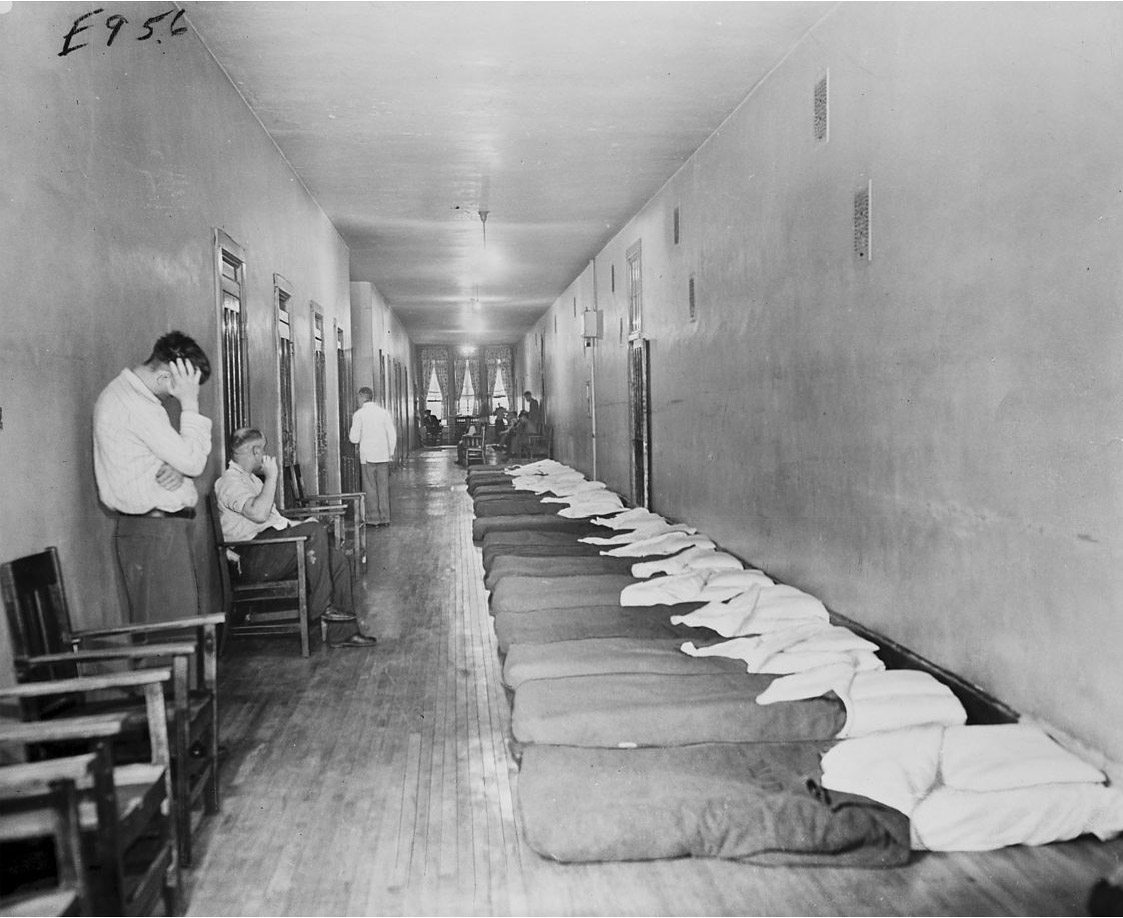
(929, 440)
(117, 162)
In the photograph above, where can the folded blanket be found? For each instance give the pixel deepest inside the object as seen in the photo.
(700, 586)
(666, 544)
(698, 558)
(758, 610)
(590, 503)
(628, 519)
(643, 531)
(874, 700)
(795, 650)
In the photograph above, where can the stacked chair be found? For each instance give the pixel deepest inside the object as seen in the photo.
(669, 700)
(158, 682)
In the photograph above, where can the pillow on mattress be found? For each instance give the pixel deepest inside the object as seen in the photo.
(978, 788)
(950, 819)
(1004, 756)
(897, 768)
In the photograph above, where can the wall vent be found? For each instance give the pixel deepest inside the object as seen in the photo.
(690, 298)
(820, 114)
(612, 277)
(575, 307)
(675, 222)
(862, 227)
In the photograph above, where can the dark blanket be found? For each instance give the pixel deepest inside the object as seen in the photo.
(513, 628)
(481, 526)
(491, 553)
(515, 506)
(555, 566)
(522, 593)
(757, 803)
(659, 710)
(598, 656)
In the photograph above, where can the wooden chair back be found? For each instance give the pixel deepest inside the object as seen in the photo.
(128, 822)
(37, 612)
(268, 607)
(37, 804)
(46, 648)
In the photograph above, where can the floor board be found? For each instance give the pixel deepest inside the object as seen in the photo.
(378, 782)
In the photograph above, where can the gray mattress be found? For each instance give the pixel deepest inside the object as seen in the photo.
(514, 506)
(524, 593)
(514, 628)
(502, 566)
(759, 803)
(661, 710)
(600, 656)
(482, 526)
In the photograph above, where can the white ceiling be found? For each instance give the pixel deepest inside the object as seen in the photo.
(406, 120)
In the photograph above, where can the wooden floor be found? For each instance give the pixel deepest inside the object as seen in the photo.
(379, 782)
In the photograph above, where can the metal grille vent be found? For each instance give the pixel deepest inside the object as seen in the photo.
(676, 226)
(820, 120)
(690, 296)
(862, 223)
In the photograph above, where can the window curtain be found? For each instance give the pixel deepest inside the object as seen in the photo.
(436, 359)
(473, 365)
(459, 369)
(499, 365)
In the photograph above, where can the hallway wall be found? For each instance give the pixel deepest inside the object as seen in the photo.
(116, 164)
(930, 440)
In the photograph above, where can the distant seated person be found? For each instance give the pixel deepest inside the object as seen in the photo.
(248, 510)
(500, 423)
(517, 437)
(432, 425)
(462, 446)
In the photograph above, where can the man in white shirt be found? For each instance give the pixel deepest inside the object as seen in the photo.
(247, 507)
(372, 427)
(146, 469)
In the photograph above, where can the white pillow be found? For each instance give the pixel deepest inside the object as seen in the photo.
(812, 683)
(897, 768)
(836, 639)
(958, 820)
(1005, 756)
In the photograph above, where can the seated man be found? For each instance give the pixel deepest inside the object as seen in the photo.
(462, 446)
(248, 511)
(500, 423)
(518, 435)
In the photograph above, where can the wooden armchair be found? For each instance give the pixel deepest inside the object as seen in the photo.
(474, 451)
(45, 646)
(126, 819)
(268, 607)
(37, 803)
(345, 511)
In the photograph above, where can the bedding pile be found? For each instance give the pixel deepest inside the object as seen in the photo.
(668, 701)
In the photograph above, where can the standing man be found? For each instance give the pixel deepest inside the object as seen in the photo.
(146, 470)
(534, 412)
(248, 510)
(372, 427)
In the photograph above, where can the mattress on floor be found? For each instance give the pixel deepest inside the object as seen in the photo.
(555, 566)
(524, 593)
(758, 803)
(659, 710)
(481, 526)
(514, 506)
(514, 628)
(571, 549)
(600, 656)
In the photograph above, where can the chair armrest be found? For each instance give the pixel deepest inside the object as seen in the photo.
(196, 621)
(278, 540)
(29, 778)
(312, 512)
(63, 728)
(139, 652)
(342, 495)
(131, 679)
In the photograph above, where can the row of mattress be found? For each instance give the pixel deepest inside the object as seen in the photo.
(669, 701)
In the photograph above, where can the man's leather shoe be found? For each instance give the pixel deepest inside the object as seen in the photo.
(358, 640)
(334, 615)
